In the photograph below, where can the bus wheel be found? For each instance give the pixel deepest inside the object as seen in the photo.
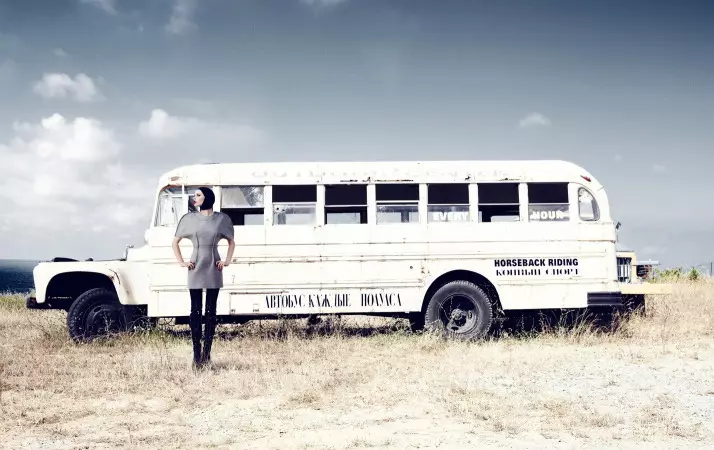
(460, 310)
(96, 312)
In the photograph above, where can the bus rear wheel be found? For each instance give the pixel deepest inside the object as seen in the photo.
(460, 310)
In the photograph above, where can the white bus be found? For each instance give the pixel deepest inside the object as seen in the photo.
(447, 244)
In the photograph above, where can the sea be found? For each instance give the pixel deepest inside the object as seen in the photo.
(16, 276)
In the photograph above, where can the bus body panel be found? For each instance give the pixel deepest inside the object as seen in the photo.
(287, 274)
(548, 258)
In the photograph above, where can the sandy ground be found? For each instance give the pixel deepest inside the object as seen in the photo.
(649, 384)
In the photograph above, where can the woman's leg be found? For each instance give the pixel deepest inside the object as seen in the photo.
(195, 322)
(211, 300)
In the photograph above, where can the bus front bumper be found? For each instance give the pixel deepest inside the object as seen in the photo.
(645, 288)
(627, 295)
(31, 303)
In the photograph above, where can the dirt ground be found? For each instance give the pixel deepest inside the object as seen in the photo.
(364, 383)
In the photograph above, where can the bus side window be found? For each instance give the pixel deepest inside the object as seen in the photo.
(587, 206)
(548, 202)
(448, 202)
(243, 204)
(397, 203)
(345, 204)
(498, 202)
(294, 205)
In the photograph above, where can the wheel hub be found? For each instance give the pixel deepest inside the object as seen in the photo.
(102, 319)
(461, 317)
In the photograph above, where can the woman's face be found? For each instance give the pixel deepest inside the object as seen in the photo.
(198, 198)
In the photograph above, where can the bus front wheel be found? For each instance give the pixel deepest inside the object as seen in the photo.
(96, 313)
(459, 309)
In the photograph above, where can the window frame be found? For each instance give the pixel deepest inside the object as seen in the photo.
(535, 210)
(314, 204)
(594, 202)
(183, 190)
(263, 188)
(464, 207)
(518, 205)
(362, 209)
(395, 203)
(418, 202)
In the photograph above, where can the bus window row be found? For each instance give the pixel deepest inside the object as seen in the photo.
(394, 203)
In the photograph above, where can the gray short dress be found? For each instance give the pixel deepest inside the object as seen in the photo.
(204, 233)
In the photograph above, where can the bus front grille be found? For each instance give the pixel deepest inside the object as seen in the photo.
(624, 270)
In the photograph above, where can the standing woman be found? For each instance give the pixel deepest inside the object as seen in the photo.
(205, 229)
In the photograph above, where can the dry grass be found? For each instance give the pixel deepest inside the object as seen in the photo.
(364, 383)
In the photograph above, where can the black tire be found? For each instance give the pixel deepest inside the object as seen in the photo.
(97, 312)
(459, 310)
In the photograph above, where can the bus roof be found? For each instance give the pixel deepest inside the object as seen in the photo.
(260, 173)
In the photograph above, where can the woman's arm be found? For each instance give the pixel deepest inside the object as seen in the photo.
(231, 249)
(226, 231)
(229, 255)
(178, 255)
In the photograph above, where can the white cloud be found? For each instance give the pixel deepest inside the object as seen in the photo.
(105, 5)
(68, 177)
(163, 126)
(79, 186)
(534, 120)
(82, 139)
(658, 168)
(618, 158)
(60, 53)
(181, 20)
(61, 85)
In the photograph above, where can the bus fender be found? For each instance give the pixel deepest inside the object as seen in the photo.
(434, 282)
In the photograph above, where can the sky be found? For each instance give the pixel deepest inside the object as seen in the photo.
(99, 97)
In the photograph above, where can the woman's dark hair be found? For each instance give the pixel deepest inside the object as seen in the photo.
(209, 198)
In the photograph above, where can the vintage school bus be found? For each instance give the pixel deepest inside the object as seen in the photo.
(446, 244)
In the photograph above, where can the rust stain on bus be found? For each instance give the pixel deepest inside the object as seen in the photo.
(117, 276)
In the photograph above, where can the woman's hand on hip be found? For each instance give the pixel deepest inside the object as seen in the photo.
(222, 264)
(189, 265)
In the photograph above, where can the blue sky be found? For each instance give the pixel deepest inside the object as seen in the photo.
(131, 88)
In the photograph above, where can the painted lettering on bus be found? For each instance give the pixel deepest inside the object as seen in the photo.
(537, 267)
(381, 299)
(536, 262)
(274, 301)
(450, 216)
(518, 272)
(549, 215)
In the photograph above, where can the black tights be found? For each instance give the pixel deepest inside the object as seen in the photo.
(196, 319)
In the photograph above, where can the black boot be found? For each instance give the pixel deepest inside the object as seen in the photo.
(208, 338)
(195, 323)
